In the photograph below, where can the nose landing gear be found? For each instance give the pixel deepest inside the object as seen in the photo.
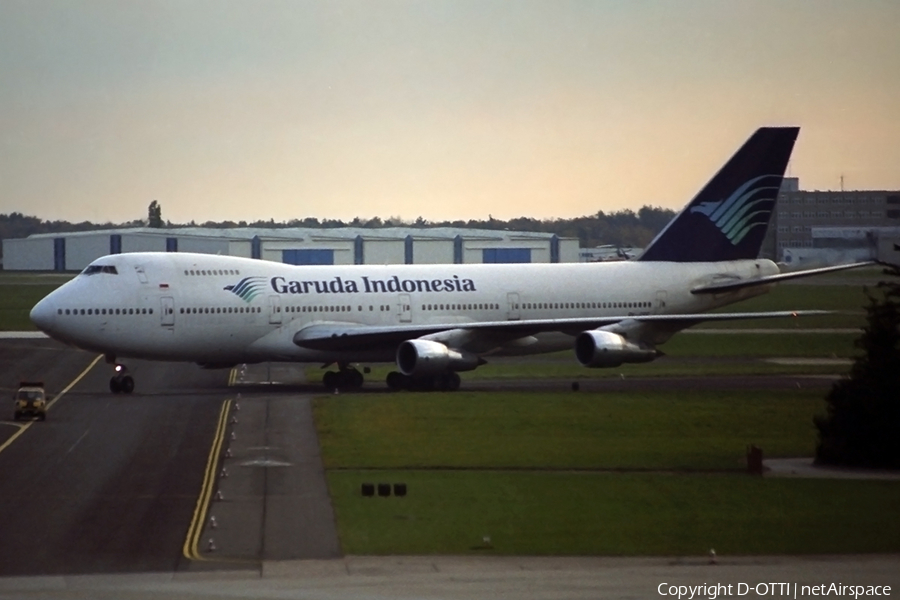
(121, 382)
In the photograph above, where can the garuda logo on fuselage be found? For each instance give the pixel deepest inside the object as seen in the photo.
(746, 208)
(247, 288)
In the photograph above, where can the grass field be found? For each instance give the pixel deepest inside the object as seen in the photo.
(619, 474)
(698, 430)
(663, 514)
(20, 291)
(16, 301)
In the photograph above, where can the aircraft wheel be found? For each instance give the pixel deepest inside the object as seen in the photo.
(424, 384)
(395, 380)
(355, 379)
(453, 381)
(330, 380)
(127, 384)
(440, 382)
(115, 385)
(448, 382)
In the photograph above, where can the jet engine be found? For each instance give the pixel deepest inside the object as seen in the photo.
(607, 349)
(425, 357)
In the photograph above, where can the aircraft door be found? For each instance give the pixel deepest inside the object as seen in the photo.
(661, 301)
(167, 311)
(405, 308)
(513, 313)
(275, 310)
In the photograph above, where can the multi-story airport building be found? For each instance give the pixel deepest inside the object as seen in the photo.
(341, 246)
(812, 226)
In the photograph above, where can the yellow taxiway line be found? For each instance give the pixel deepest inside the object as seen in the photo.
(24, 428)
(190, 548)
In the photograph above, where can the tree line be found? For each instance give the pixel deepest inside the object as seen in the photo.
(624, 228)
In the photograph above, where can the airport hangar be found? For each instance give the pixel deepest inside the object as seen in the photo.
(340, 246)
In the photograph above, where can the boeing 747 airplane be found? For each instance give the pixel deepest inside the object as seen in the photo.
(434, 321)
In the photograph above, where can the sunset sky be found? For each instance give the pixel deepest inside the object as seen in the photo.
(458, 109)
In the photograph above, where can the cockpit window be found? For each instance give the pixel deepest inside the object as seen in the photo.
(94, 269)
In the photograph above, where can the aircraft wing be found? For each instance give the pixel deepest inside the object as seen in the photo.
(730, 285)
(340, 335)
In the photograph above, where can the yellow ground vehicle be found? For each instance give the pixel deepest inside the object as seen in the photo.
(30, 401)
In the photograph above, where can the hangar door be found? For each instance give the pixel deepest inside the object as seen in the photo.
(308, 256)
(506, 255)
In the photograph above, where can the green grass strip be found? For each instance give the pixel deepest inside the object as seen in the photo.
(696, 430)
(614, 514)
(17, 300)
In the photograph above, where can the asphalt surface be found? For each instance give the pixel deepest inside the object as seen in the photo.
(111, 483)
(476, 578)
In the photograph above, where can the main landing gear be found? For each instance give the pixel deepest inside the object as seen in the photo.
(121, 382)
(345, 378)
(445, 382)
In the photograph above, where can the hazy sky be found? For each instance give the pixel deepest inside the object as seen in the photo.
(457, 109)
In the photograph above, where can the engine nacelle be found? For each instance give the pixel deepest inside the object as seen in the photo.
(606, 349)
(425, 357)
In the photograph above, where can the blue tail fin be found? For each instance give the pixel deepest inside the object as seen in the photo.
(728, 219)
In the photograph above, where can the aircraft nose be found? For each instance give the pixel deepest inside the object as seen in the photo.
(43, 314)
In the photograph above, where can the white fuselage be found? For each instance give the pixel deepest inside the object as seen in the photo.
(177, 306)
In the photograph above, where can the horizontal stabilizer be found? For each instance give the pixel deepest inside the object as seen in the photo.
(730, 286)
